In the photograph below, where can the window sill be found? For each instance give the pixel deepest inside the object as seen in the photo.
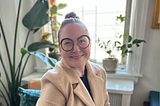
(123, 75)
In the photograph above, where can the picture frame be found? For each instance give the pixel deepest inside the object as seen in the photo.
(156, 15)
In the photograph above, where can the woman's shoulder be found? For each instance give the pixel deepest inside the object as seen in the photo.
(55, 73)
(98, 69)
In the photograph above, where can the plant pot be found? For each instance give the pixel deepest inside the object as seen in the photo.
(54, 55)
(110, 64)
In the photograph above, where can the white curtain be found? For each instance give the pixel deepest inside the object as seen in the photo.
(137, 30)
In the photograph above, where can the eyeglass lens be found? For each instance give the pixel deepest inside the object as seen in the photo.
(67, 44)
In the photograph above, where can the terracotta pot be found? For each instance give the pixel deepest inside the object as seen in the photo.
(110, 64)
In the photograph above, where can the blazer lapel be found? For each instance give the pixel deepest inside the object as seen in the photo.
(78, 87)
(95, 83)
(81, 91)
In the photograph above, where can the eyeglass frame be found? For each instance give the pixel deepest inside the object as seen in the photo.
(73, 42)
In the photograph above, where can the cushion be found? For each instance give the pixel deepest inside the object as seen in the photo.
(154, 98)
(28, 97)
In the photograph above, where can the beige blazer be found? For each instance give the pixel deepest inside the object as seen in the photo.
(62, 86)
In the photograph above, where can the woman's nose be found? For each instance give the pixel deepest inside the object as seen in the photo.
(76, 48)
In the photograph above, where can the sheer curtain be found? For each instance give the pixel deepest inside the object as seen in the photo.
(137, 30)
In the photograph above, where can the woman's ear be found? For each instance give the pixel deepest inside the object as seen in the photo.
(59, 48)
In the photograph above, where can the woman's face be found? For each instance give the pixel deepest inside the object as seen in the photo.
(77, 57)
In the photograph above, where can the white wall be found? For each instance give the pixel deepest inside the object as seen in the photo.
(150, 66)
(8, 11)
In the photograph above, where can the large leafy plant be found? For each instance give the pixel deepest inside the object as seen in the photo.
(44, 41)
(33, 20)
(112, 46)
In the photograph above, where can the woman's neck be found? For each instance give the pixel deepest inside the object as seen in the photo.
(80, 71)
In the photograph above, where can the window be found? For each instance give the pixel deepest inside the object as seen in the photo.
(100, 19)
(136, 13)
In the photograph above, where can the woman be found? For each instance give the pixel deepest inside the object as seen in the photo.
(74, 81)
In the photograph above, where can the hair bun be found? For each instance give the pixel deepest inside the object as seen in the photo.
(71, 15)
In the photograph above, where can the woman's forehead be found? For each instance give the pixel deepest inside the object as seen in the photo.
(73, 31)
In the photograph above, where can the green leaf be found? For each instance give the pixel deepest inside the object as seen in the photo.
(129, 45)
(123, 46)
(120, 36)
(118, 42)
(109, 51)
(48, 60)
(23, 51)
(40, 45)
(120, 18)
(105, 47)
(137, 45)
(37, 16)
(125, 51)
(135, 41)
(129, 38)
(45, 36)
(58, 23)
(53, 10)
(108, 41)
(130, 51)
(99, 44)
(140, 41)
(125, 34)
(123, 55)
(61, 5)
(59, 14)
(56, 28)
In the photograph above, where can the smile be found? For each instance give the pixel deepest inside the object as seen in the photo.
(76, 57)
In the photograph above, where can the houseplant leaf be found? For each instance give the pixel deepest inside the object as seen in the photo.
(40, 45)
(61, 5)
(53, 10)
(45, 36)
(129, 45)
(129, 38)
(37, 16)
(48, 60)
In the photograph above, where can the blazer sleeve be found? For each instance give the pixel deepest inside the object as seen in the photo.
(106, 103)
(50, 94)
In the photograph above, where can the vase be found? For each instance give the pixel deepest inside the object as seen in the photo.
(110, 64)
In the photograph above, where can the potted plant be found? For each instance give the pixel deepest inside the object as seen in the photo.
(14, 76)
(112, 47)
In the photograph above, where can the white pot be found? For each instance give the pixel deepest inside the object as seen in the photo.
(110, 64)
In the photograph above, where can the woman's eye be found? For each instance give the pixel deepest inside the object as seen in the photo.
(82, 41)
(67, 43)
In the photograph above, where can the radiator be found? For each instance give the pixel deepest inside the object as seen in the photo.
(115, 99)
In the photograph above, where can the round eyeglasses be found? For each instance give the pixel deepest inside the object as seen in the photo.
(68, 45)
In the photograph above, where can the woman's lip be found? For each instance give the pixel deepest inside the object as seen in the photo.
(76, 57)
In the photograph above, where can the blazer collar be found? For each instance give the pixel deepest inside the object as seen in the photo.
(95, 83)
